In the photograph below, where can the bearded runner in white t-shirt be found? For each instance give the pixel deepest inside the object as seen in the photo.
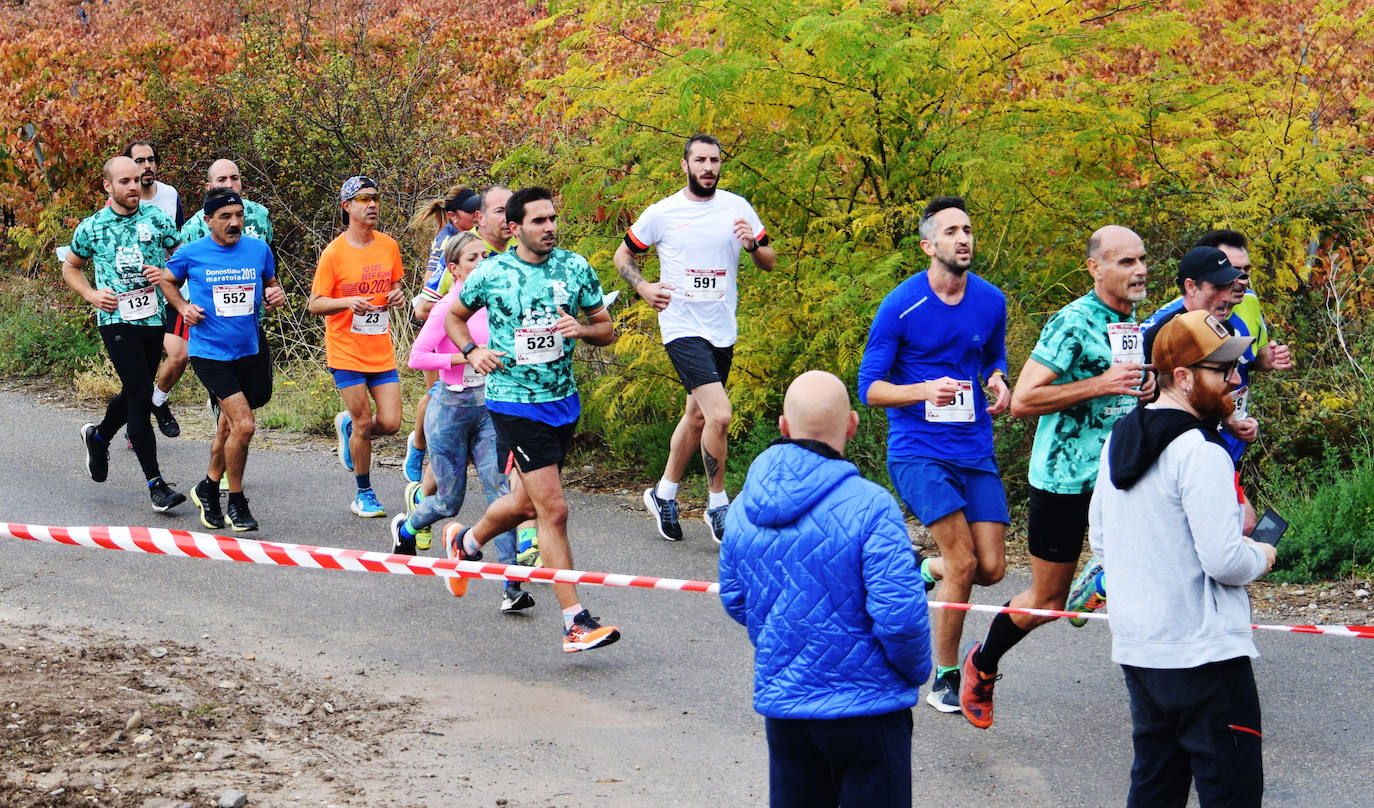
(698, 232)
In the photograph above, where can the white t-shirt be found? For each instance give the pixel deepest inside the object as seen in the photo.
(698, 255)
(165, 199)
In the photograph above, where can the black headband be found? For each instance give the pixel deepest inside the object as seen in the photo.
(214, 202)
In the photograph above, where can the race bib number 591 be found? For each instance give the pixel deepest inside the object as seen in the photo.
(705, 284)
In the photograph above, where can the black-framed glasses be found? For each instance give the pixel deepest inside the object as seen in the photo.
(1225, 370)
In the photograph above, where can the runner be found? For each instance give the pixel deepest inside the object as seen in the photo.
(452, 213)
(936, 339)
(257, 222)
(357, 282)
(127, 243)
(230, 277)
(698, 232)
(1086, 371)
(531, 294)
(458, 423)
(163, 196)
(491, 227)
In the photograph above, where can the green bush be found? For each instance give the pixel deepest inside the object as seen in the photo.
(1330, 533)
(46, 329)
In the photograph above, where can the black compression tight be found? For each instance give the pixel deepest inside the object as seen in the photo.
(134, 351)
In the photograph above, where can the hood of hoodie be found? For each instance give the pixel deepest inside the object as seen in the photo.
(789, 478)
(1142, 435)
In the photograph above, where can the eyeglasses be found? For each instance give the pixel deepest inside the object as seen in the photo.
(366, 199)
(1225, 370)
(142, 160)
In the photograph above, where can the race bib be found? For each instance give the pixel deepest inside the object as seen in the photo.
(472, 377)
(537, 345)
(1127, 344)
(234, 299)
(959, 411)
(137, 304)
(372, 322)
(1241, 395)
(705, 284)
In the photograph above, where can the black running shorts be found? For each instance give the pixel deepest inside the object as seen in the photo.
(698, 362)
(173, 323)
(250, 375)
(534, 444)
(1057, 525)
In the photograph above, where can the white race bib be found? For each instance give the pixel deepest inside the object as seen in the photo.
(372, 322)
(959, 411)
(1127, 344)
(137, 304)
(705, 284)
(472, 377)
(537, 345)
(234, 299)
(1241, 395)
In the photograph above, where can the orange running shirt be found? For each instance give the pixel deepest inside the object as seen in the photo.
(346, 271)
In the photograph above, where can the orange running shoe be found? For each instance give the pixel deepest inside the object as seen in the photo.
(453, 545)
(975, 690)
(586, 633)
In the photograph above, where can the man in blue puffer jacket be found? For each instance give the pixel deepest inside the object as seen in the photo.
(817, 564)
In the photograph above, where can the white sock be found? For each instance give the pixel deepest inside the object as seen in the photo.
(718, 499)
(666, 490)
(569, 613)
(159, 397)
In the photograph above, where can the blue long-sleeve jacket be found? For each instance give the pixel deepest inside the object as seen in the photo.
(817, 564)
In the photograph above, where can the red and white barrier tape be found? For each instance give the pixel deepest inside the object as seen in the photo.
(190, 544)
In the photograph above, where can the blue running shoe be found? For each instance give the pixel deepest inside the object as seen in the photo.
(366, 504)
(415, 460)
(343, 427)
(424, 537)
(715, 519)
(1088, 594)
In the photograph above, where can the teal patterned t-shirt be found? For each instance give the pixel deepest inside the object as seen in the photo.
(522, 302)
(118, 247)
(1068, 443)
(255, 224)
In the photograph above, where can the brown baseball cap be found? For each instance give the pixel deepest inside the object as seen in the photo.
(1193, 337)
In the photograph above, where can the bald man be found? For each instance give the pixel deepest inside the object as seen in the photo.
(817, 564)
(126, 243)
(1085, 372)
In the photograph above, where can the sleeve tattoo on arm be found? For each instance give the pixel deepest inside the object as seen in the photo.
(629, 271)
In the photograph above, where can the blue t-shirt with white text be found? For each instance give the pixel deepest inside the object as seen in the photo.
(227, 283)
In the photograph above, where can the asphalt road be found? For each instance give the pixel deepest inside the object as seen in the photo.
(664, 716)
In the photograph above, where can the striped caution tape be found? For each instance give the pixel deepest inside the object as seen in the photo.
(191, 544)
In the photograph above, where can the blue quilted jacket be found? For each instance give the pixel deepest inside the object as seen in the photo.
(816, 563)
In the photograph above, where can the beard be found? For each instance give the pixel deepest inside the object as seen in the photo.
(698, 189)
(1210, 403)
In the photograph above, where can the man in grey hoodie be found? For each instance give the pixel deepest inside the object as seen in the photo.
(1180, 615)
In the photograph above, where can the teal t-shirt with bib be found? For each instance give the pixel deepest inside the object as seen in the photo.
(1068, 444)
(118, 247)
(522, 302)
(255, 224)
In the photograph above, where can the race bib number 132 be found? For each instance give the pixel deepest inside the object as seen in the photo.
(137, 304)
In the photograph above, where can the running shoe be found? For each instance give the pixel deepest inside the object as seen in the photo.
(424, 537)
(453, 546)
(975, 690)
(224, 481)
(206, 498)
(163, 497)
(239, 517)
(516, 600)
(400, 545)
(923, 567)
(166, 421)
(415, 460)
(944, 693)
(715, 519)
(1088, 594)
(665, 515)
(343, 428)
(587, 633)
(527, 548)
(97, 453)
(366, 504)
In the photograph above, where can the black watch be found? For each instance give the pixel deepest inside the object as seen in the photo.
(467, 349)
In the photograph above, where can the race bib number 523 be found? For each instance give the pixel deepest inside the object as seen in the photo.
(537, 345)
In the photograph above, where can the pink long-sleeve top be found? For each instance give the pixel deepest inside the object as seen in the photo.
(433, 350)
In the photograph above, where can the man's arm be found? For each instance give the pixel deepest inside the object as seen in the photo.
(1037, 394)
(762, 255)
(170, 285)
(102, 299)
(272, 293)
(879, 356)
(1274, 356)
(658, 295)
(598, 330)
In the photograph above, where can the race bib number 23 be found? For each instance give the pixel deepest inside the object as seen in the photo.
(372, 322)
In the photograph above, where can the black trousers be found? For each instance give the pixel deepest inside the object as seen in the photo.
(860, 762)
(134, 351)
(1196, 725)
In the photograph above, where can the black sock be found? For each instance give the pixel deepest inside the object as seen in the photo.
(207, 483)
(237, 498)
(1002, 636)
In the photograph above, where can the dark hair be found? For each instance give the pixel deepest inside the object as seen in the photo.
(515, 206)
(129, 149)
(936, 205)
(1223, 238)
(699, 138)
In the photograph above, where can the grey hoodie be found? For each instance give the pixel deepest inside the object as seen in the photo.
(1170, 543)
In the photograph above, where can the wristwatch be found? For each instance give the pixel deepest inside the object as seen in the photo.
(467, 349)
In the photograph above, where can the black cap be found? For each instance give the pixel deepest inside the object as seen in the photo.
(465, 201)
(1207, 264)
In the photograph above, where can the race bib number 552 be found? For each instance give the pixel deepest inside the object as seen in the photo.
(234, 299)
